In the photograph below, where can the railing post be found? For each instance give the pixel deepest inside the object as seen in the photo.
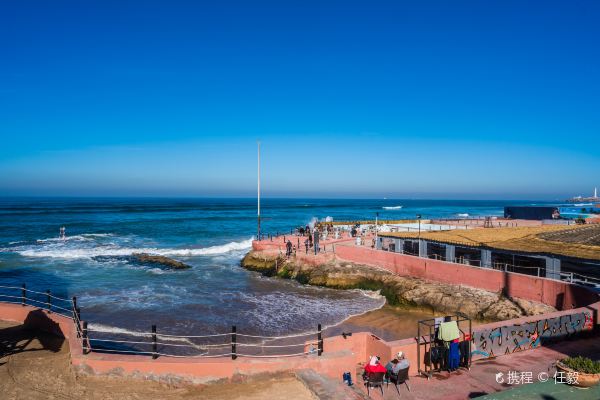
(319, 340)
(84, 335)
(75, 316)
(48, 301)
(233, 343)
(154, 345)
(23, 295)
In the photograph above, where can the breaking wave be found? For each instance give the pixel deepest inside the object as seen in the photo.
(113, 329)
(392, 207)
(81, 238)
(100, 328)
(72, 248)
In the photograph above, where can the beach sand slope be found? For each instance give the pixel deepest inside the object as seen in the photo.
(35, 365)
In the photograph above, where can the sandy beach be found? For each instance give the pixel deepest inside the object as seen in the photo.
(389, 323)
(34, 365)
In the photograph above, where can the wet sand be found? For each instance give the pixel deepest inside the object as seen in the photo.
(389, 323)
(34, 365)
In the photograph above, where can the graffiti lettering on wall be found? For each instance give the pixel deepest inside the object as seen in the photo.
(519, 337)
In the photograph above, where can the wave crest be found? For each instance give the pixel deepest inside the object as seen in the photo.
(392, 207)
(50, 248)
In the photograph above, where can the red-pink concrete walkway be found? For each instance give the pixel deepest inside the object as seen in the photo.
(481, 379)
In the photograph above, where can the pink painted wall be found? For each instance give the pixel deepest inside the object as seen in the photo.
(340, 355)
(527, 287)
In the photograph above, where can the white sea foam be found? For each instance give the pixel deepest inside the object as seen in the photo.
(330, 310)
(113, 329)
(51, 248)
(100, 328)
(392, 207)
(463, 215)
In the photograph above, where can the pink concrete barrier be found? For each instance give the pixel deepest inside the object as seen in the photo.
(561, 295)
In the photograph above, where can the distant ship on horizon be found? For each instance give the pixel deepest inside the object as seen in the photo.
(581, 199)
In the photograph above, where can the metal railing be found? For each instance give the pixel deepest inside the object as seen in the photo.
(42, 300)
(231, 344)
(506, 267)
(153, 343)
(573, 277)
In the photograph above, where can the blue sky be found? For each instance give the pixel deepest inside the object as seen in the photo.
(482, 99)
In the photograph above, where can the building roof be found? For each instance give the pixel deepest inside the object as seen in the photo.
(564, 240)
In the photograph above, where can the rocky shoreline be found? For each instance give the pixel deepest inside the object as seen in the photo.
(398, 290)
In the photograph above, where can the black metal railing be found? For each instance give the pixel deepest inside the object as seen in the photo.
(227, 344)
(43, 300)
(162, 344)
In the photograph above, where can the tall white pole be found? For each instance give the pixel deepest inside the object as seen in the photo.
(258, 215)
(376, 238)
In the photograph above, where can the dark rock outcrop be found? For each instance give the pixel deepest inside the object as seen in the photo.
(163, 261)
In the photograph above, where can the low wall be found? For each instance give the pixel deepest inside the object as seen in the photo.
(341, 355)
(558, 294)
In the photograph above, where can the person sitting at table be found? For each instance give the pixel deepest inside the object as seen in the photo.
(373, 366)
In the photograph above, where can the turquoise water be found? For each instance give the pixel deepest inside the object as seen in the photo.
(211, 235)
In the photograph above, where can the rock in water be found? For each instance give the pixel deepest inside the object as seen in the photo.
(160, 260)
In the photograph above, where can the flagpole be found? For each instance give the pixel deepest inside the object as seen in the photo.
(258, 215)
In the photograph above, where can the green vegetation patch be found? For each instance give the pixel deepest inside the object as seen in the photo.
(582, 364)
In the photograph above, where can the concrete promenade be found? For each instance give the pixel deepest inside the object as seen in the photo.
(481, 379)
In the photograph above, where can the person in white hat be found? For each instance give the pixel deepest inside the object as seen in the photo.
(402, 361)
(397, 364)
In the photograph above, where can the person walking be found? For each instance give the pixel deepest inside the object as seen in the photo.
(316, 241)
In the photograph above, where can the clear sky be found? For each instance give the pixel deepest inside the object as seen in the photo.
(457, 99)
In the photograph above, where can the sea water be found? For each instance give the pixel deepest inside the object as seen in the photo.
(212, 235)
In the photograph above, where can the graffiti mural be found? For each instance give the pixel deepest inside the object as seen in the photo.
(518, 337)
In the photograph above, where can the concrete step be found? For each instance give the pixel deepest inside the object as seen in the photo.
(324, 388)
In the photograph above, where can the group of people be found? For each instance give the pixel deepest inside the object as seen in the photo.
(393, 367)
(311, 242)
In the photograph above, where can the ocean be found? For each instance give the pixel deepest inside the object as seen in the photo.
(212, 235)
